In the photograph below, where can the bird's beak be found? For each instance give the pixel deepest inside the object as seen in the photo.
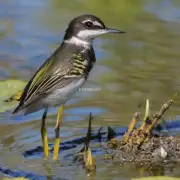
(110, 30)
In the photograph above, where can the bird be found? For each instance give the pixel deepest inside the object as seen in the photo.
(62, 74)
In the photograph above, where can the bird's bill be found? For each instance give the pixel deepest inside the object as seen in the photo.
(110, 30)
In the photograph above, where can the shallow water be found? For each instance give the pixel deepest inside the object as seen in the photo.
(143, 63)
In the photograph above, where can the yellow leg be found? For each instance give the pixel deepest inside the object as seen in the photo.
(44, 135)
(57, 138)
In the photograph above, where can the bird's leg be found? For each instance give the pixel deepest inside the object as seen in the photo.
(44, 134)
(57, 138)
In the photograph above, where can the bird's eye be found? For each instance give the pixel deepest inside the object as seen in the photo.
(89, 24)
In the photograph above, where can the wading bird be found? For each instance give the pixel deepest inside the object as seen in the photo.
(62, 74)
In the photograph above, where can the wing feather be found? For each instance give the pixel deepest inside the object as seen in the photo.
(50, 77)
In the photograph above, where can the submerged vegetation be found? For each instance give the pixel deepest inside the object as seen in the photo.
(140, 144)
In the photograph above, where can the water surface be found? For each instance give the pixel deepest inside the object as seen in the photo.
(143, 63)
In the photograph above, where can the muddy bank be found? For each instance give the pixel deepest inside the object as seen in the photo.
(141, 145)
(156, 151)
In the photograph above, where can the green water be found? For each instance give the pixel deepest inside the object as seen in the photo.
(143, 63)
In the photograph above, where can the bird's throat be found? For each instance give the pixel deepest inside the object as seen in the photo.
(78, 42)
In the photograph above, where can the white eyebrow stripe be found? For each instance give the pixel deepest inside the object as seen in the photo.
(97, 24)
(86, 21)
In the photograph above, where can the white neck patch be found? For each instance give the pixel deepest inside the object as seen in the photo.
(78, 42)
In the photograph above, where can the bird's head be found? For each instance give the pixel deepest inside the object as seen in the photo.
(86, 28)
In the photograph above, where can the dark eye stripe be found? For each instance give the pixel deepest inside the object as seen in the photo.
(89, 24)
(94, 23)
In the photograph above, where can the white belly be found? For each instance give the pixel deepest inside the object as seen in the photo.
(60, 96)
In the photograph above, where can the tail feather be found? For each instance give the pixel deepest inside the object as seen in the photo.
(17, 109)
(26, 109)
